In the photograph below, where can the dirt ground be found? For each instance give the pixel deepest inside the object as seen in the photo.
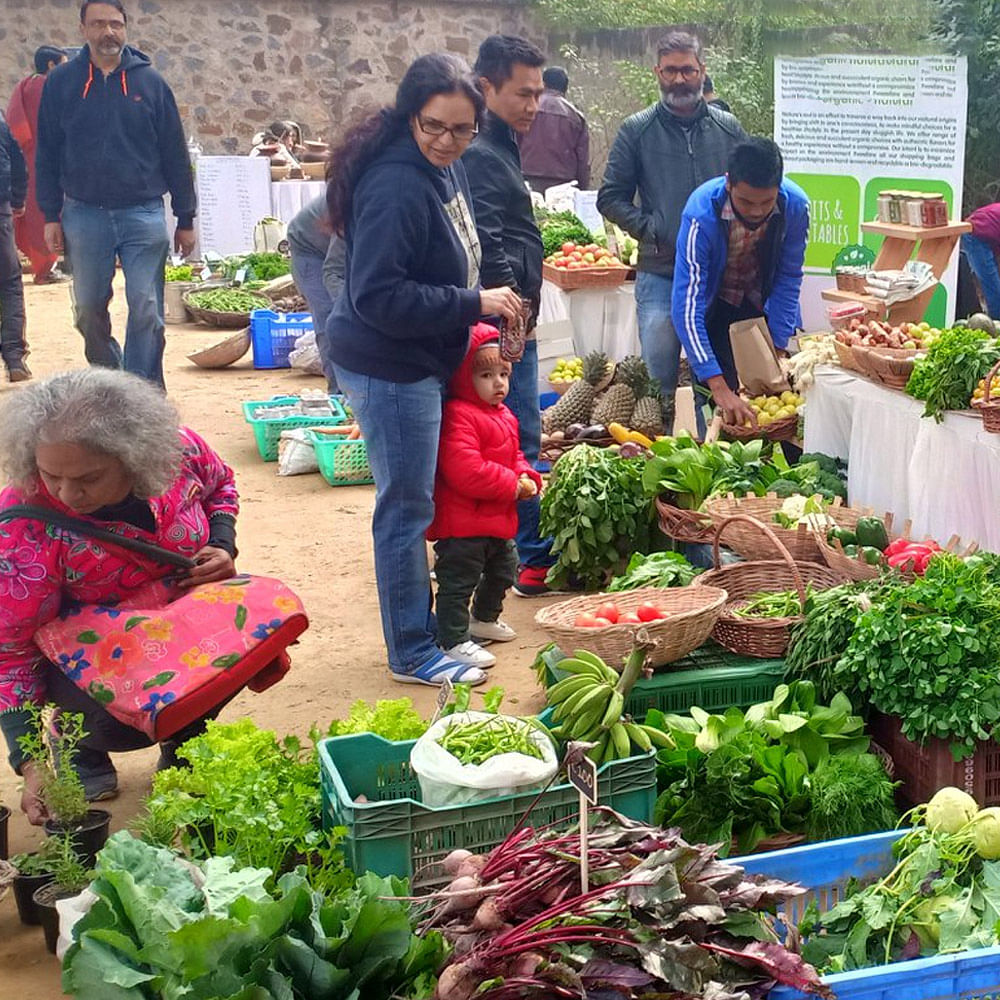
(312, 536)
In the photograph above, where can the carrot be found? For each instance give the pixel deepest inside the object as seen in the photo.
(342, 429)
(355, 434)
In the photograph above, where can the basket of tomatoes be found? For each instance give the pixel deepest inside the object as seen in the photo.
(583, 265)
(677, 619)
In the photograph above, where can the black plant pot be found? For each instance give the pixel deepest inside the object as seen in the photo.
(45, 899)
(89, 835)
(4, 818)
(24, 891)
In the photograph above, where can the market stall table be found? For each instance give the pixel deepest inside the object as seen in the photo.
(287, 197)
(944, 477)
(603, 318)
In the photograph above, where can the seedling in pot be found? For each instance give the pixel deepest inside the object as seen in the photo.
(69, 878)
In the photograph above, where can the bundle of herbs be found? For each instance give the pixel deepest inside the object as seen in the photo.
(661, 918)
(927, 652)
(739, 778)
(946, 377)
(658, 569)
(597, 514)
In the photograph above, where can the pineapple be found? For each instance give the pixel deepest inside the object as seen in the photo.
(575, 406)
(615, 406)
(647, 417)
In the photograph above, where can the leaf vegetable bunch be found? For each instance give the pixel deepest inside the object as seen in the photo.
(947, 376)
(558, 228)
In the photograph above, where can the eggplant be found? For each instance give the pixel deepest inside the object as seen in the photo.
(573, 431)
(592, 433)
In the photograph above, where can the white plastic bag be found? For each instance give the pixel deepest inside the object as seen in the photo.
(305, 354)
(296, 455)
(71, 910)
(446, 782)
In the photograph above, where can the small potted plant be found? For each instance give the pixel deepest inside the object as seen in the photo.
(52, 751)
(32, 872)
(69, 878)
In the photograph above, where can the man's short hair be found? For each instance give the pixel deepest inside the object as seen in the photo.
(117, 4)
(756, 161)
(45, 55)
(499, 53)
(556, 78)
(709, 86)
(678, 41)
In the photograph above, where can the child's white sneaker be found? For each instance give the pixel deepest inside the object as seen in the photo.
(471, 653)
(491, 631)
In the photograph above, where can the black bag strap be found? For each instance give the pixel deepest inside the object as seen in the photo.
(88, 530)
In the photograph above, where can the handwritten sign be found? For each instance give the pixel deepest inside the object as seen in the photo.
(233, 193)
(445, 693)
(582, 775)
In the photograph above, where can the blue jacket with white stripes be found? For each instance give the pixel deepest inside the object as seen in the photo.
(702, 249)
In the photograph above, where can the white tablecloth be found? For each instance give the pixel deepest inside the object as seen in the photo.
(944, 477)
(603, 318)
(287, 197)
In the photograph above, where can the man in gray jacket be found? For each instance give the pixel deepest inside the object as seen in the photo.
(663, 153)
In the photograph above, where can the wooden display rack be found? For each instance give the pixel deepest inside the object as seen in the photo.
(935, 245)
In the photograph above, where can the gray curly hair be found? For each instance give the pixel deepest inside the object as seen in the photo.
(107, 411)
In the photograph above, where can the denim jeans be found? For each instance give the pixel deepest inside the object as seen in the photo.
(661, 350)
(401, 424)
(984, 265)
(522, 400)
(12, 345)
(137, 236)
(307, 270)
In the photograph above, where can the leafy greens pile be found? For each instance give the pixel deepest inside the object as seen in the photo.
(166, 928)
(947, 376)
(658, 569)
(558, 228)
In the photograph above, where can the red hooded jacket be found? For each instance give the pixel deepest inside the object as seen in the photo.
(479, 460)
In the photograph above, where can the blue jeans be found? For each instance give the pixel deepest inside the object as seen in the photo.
(984, 265)
(532, 550)
(401, 424)
(661, 350)
(307, 270)
(137, 236)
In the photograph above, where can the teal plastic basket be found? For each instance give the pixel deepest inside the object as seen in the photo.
(267, 430)
(391, 832)
(710, 677)
(342, 462)
(825, 869)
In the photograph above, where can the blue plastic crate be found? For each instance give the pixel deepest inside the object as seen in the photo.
(273, 336)
(826, 868)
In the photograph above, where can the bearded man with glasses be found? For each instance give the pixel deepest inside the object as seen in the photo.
(662, 154)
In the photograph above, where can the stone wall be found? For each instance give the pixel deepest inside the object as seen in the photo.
(237, 65)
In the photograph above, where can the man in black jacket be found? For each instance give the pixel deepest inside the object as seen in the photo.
(663, 153)
(110, 144)
(510, 72)
(13, 189)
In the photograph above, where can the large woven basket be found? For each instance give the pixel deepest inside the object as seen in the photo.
(989, 408)
(785, 429)
(764, 638)
(690, 526)
(749, 543)
(584, 277)
(691, 615)
(226, 320)
(845, 355)
(853, 567)
(890, 366)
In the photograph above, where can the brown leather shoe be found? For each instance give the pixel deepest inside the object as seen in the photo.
(18, 372)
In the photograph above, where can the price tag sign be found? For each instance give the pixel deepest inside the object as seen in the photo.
(445, 693)
(241, 276)
(206, 273)
(212, 257)
(582, 775)
(176, 259)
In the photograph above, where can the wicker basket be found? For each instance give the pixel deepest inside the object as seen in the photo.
(747, 542)
(762, 638)
(560, 388)
(890, 366)
(584, 277)
(227, 320)
(845, 355)
(853, 567)
(786, 429)
(691, 616)
(690, 526)
(990, 408)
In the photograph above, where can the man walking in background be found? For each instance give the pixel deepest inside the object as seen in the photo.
(13, 187)
(556, 149)
(22, 116)
(110, 144)
(510, 73)
(664, 153)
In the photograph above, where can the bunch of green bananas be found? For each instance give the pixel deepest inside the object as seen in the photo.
(588, 707)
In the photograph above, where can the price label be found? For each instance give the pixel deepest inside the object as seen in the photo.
(241, 276)
(582, 775)
(445, 693)
(206, 273)
(176, 259)
(212, 257)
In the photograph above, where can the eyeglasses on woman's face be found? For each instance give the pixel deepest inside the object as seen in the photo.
(460, 133)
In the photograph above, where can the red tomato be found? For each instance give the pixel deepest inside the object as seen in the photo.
(649, 612)
(576, 255)
(568, 247)
(629, 618)
(608, 610)
(587, 621)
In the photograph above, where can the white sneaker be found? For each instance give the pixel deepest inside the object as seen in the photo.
(491, 631)
(471, 653)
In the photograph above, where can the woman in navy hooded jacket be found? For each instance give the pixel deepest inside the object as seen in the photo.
(400, 326)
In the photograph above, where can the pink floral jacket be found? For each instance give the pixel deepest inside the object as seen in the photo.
(41, 566)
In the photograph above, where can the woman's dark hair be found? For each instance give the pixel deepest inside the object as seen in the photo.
(428, 76)
(756, 161)
(117, 4)
(499, 53)
(45, 55)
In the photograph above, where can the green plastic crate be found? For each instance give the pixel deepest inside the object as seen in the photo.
(267, 431)
(342, 462)
(393, 833)
(711, 678)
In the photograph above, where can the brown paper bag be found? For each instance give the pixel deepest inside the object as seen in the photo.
(756, 359)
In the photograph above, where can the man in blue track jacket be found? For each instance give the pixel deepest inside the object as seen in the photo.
(740, 250)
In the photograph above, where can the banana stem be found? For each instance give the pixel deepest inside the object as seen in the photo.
(635, 662)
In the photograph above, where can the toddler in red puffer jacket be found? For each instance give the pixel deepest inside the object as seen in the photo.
(481, 474)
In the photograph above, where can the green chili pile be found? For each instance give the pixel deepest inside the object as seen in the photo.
(477, 742)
